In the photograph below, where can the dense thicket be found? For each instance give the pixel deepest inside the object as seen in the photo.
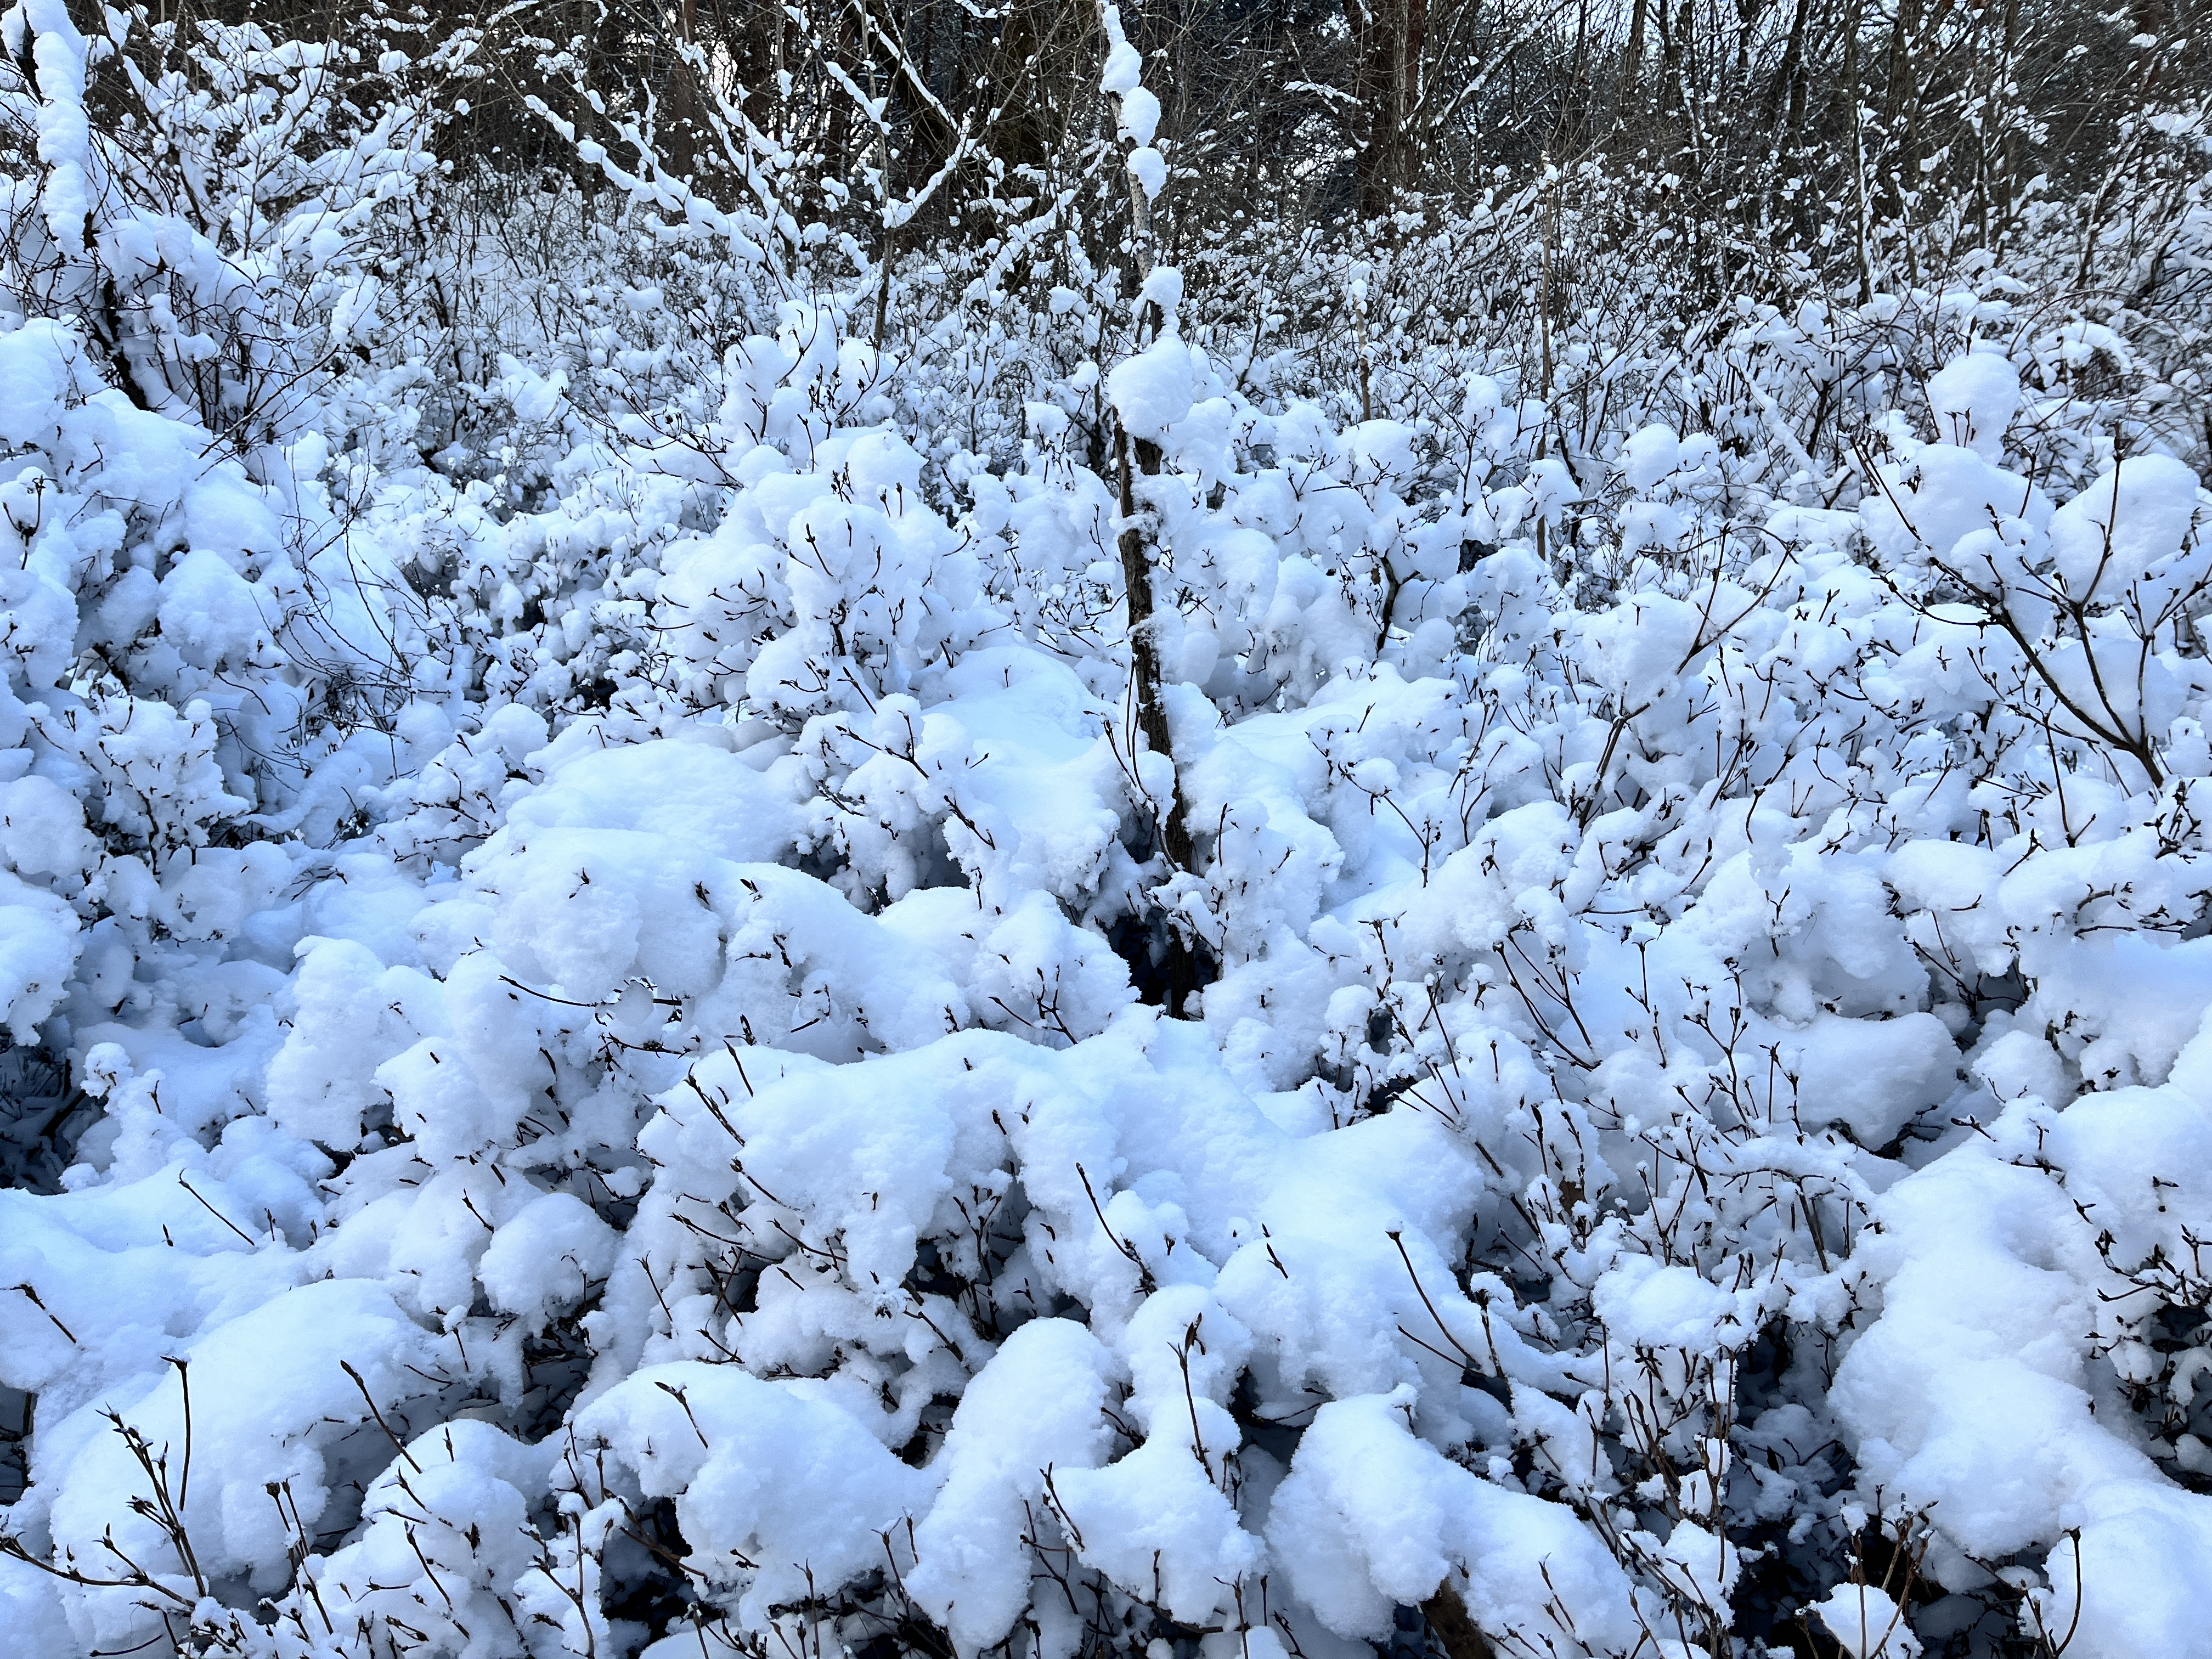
(1230, 832)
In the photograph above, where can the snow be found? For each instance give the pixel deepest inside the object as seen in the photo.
(655, 1058)
(1146, 165)
(1154, 389)
(1867, 1622)
(41, 935)
(1034, 1410)
(545, 1257)
(213, 615)
(1973, 398)
(771, 1473)
(2134, 520)
(1372, 1516)
(37, 364)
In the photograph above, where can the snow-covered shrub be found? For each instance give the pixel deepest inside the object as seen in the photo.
(603, 899)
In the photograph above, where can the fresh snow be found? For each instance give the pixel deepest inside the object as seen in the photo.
(628, 1100)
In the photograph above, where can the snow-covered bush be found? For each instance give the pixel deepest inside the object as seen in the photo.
(756, 953)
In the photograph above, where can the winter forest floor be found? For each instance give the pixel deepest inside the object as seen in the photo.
(723, 937)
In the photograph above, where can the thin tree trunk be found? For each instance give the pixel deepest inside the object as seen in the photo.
(1144, 646)
(1136, 550)
(1455, 1632)
(1634, 65)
